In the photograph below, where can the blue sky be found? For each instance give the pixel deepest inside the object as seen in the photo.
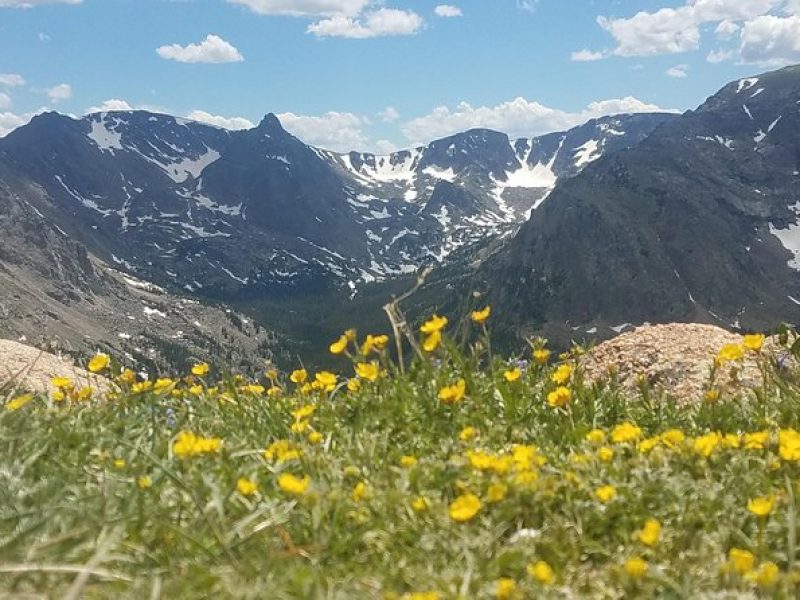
(381, 74)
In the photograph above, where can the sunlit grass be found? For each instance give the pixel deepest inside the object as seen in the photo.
(462, 476)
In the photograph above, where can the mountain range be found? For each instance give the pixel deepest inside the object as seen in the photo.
(625, 219)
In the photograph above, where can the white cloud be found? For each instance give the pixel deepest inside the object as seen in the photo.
(674, 30)
(718, 56)
(389, 114)
(211, 50)
(726, 30)
(678, 71)
(305, 8)
(11, 80)
(771, 41)
(379, 23)
(448, 10)
(57, 93)
(338, 131)
(10, 121)
(384, 147)
(110, 105)
(220, 121)
(5, 101)
(518, 118)
(32, 3)
(586, 56)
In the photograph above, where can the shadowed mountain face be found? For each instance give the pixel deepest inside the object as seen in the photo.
(698, 222)
(242, 214)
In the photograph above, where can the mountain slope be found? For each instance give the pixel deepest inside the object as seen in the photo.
(698, 222)
(53, 292)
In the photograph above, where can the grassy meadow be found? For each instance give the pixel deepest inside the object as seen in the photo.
(451, 474)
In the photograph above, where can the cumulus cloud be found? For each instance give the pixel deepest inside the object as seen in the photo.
(586, 56)
(11, 80)
(33, 3)
(233, 123)
(339, 131)
(678, 71)
(771, 40)
(448, 11)
(110, 105)
(384, 147)
(389, 114)
(305, 8)
(726, 30)
(211, 50)
(674, 30)
(378, 23)
(5, 101)
(518, 118)
(57, 93)
(10, 121)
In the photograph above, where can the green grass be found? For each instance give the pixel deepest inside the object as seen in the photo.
(71, 503)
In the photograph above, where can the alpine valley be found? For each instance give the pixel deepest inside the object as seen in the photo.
(153, 235)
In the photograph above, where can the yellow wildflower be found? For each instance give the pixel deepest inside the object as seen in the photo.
(353, 385)
(706, 444)
(650, 533)
(464, 508)
(559, 397)
(541, 356)
(434, 324)
(730, 353)
(19, 402)
(119, 463)
(562, 374)
(315, 437)
(326, 380)
(767, 574)
(636, 568)
(127, 376)
(526, 479)
(741, 561)
(432, 341)
(374, 343)
(605, 454)
(762, 506)
(246, 487)
(712, 396)
(368, 371)
(190, 444)
(254, 388)
(480, 316)
(298, 376)
(605, 493)
(339, 345)
(200, 369)
(144, 482)
(300, 426)
(496, 492)
(360, 492)
(454, 393)
(291, 484)
(673, 438)
(304, 412)
(756, 440)
(282, 451)
(62, 383)
(789, 445)
(625, 432)
(542, 573)
(408, 461)
(58, 396)
(422, 596)
(98, 363)
(467, 433)
(84, 394)
(596, 436)
(512, 375)
(505, 588)
(754, 342)
(647, 444)
(419, 504)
